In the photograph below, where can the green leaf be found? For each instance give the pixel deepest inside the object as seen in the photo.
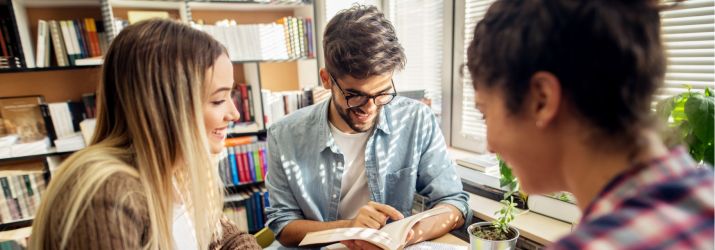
(700, 111)
(707, 92)
(507, 178)
(664, 107)
(678, 112)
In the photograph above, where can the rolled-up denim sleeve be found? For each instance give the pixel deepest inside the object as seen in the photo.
(438, 179)
(283, 206)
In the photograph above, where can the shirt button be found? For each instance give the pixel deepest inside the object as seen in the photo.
(335, 196)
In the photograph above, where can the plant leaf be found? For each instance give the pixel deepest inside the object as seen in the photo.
(700, 111)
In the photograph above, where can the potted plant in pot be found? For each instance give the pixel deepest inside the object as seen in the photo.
(498, 234)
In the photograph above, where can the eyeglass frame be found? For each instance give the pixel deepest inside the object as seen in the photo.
(347, 98)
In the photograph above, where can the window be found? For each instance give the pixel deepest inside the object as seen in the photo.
(468, 129)
(688, 32)
(420, 28)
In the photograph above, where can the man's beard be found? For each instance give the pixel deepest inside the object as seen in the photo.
(349, 120)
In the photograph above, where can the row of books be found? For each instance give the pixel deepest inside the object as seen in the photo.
(74, 42)
(287, 38)
(29, 126)
(276, 105)
(243, 99)
(20, 196)
(480, 175)
(247, 209)
(244, 161)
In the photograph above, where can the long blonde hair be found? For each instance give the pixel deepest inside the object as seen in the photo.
(150, 126)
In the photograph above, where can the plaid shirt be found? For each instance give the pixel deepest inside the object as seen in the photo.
(664, 204)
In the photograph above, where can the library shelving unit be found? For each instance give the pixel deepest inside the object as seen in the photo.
(59, 84)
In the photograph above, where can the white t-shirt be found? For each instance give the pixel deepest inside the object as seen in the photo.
(182, 230)
(354, 192)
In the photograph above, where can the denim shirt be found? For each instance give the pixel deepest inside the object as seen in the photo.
(406, 154)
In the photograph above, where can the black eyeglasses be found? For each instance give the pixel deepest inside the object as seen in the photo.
(358, 100)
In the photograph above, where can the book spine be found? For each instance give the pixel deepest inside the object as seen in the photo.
(41, 35)
(241, 158)
(257, 164)
(244, 102)
(68, 42)
(311, 48)
(249, 215)
(4, 208)
(232, 159)
(264, 163)
(9, 201)
(18, 195)
(79, 30)
(49, 126)
(251, 110)
(3, 38)
(251, 163)
(77, 48)
(92, 35)
(259, 210)
(58, 44)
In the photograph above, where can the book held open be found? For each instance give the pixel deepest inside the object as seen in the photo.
(391, 236)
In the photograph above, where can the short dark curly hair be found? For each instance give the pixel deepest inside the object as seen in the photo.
(607, 55)
(361, 42)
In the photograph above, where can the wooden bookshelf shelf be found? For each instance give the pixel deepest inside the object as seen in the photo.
(51, 152)
(16, 224)
(14, 234)
(56, 68)
(53, 68)
(240, 187)
(259, 132)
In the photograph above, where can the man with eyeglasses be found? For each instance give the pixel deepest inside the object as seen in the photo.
(358, 159)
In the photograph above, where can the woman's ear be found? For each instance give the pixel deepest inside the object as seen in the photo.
(545, 95)
(325, 79)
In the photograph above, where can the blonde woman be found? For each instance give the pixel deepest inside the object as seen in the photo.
(147, 181)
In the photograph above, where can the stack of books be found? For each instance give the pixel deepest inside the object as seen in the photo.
(20, 196)
(29, 126)
(244, 161)
(276, 105)
(480, 175)
(560, 206)
(73, 42)
(247, 209)
(287, 38)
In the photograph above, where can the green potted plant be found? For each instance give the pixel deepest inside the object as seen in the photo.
(498, 234)
(689, 117)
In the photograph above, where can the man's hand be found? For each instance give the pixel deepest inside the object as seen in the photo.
(375, 215)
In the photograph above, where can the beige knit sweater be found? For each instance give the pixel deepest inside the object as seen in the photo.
(115, 224)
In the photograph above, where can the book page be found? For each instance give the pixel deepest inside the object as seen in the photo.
(374, 236)
(391, 236)
(398, 230)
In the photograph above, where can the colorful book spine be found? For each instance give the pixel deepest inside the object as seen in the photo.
(257, 164)
(232, 159)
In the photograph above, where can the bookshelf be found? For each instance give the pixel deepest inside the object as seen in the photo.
(70, 83)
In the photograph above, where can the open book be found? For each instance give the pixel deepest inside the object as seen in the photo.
(391, 236)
